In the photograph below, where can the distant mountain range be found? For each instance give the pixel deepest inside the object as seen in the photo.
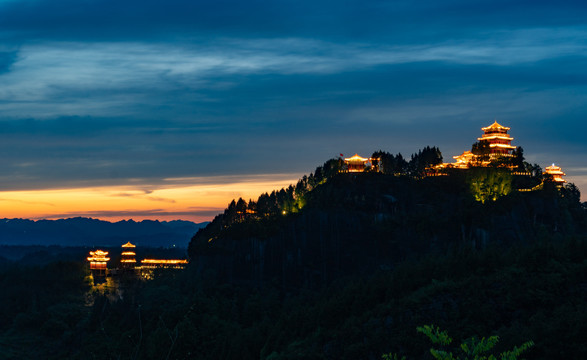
(81, 231)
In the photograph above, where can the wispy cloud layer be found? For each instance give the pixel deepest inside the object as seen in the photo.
(115, 79)
(106, 93)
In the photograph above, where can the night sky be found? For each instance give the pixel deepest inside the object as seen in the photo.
(169, 109)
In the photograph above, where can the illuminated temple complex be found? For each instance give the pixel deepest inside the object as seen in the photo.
(128, 264)
(497, 142)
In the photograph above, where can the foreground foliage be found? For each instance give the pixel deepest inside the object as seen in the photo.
(533, 292)
(472, 349)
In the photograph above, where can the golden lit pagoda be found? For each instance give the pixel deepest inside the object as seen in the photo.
(98, 262)
(499, 142)
(498, 138)
(555, 174)
(127, 257)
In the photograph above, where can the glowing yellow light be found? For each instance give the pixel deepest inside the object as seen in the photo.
(160, 261)
(128, 253)
(495, 126)
(98, 256)
(98, 260)
(556, 174)
(495, 136)
(505, 146)
(356, 158)
(128, 245)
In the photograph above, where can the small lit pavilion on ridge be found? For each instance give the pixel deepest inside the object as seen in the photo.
(555, 173)
(358, 163)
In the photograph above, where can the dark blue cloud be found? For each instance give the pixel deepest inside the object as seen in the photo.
(7, 58)
(400, 21)
(100, 92)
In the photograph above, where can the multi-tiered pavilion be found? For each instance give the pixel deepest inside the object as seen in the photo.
(98, 263)
(500, 142)
(555, 174)
(127, 257)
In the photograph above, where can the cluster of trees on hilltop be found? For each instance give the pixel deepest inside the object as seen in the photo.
(419, 162)
(269, 205)
(293, 198)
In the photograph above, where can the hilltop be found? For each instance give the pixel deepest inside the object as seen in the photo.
(333, 224)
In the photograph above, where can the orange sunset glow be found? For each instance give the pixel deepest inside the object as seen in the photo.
(174, 199)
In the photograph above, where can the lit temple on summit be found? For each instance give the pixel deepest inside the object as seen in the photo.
(494, 148)
(497, 142)
(555, 174)
(498, 138)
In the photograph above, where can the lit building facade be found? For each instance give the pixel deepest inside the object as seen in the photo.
(127, 257)
(98, 262)
(555, 173)
(463, 161)
(357, 163)
(500, 142)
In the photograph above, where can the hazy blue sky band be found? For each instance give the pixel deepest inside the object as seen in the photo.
(103, 91)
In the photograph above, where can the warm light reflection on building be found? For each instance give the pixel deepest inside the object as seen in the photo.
(127, 258)
(98, 264)
(357, 163)
(129, 266)
(555, 173)
(498, 142)
(98, 260)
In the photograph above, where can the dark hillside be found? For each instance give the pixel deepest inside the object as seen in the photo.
(532, 292)
(339, 266)
(360, 223)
